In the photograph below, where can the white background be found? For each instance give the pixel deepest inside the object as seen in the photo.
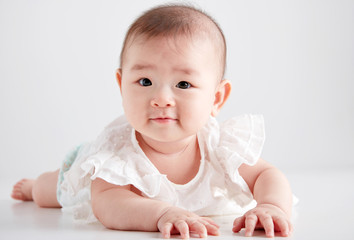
(292, 61)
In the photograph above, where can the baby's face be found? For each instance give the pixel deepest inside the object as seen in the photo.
(168, 86)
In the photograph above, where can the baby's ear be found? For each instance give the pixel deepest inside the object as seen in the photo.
(119, 78)
(221, 95)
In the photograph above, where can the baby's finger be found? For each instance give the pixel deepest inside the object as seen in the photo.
(212, 229)
(282, 226)
(166, 230)
(250, 224)
(198, 228)
(239, 223)
(182, 228)
(268, 225)
(291, 227)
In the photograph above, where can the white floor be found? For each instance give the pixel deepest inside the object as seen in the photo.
(325, 211)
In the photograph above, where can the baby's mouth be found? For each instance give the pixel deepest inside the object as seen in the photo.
(163, 119)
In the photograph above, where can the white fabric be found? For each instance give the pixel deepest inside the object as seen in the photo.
(217, 189)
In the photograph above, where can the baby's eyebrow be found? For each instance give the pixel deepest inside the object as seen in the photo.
(186, 71)
(138, 67)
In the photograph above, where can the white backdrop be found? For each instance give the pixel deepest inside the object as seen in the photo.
(292, 61)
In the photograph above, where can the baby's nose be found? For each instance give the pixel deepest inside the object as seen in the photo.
(163, 99)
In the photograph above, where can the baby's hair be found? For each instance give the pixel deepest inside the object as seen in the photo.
(176, 20)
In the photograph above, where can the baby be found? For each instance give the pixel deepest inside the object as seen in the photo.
(167, 163)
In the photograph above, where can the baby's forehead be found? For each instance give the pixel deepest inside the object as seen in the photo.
(186, 51)
(181, 48)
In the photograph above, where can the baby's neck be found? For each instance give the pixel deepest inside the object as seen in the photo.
(169, 149)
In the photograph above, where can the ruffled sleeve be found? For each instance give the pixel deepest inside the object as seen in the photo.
(238, 140)
(242, 139)
(123, 169)
(118, 160)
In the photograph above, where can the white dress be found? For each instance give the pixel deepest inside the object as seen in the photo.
(217, 189)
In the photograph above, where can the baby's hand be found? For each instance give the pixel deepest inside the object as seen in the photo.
(265, 216)
(175, 220)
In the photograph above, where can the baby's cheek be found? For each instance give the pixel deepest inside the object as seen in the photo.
(197, 118)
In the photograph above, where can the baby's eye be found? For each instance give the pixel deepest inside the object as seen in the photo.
(183, 85)
(145, 82)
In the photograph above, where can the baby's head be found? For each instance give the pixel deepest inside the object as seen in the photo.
(171, 74)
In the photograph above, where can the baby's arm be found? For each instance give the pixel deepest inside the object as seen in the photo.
(272, 192)
(119, 207)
